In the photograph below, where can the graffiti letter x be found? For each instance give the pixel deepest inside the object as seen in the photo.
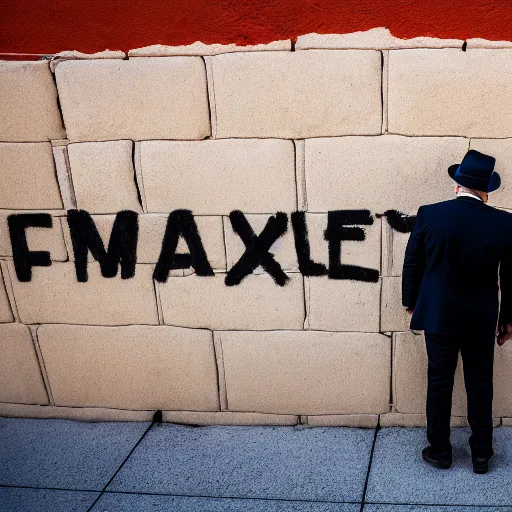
(257, 247)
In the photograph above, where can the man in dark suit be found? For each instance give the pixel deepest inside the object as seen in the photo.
(454, 255)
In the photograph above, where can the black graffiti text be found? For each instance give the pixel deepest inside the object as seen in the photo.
(121, 250)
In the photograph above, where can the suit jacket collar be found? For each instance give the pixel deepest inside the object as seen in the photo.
(467, 198)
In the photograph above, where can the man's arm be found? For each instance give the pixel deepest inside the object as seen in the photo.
(414, 263)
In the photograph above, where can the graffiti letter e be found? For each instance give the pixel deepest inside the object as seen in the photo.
(336, 232)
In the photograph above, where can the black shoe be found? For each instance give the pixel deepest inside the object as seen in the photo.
(438, 463)
(480, 465)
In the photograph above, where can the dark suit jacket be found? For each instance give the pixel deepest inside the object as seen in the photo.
(452, 260)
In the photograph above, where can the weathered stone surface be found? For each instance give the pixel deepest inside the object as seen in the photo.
(5, 307)
(477, 42)
(199, 48)
(75, 55)
(103, 176)
(4, 267)
(394, 316)
(344, 420)
(380, 173)
(228, 418)
(396, 419)
(63, 172)
(153, 98)
(365, 253)
(283, 248)
(133, 367)
(501, 149)
(28, 177)
(151, 234)
(449, 92)
(410, 376)
(55, 296)
(38, 239)
(502, 401)
(379, 38)
(256, 303)
(343, 305)
(297, 94)
(307, 372)
(216, 176)
(93, 414)
(20, 375)
(29, 110)
(393, 249)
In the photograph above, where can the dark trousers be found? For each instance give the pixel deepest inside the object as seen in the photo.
(477, 358)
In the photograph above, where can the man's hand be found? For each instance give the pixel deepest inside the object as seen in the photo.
(504, 334)
(410, 311)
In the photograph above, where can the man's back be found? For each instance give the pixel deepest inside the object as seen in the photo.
(450, 274)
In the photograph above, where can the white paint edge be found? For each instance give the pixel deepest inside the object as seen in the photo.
(202, 49)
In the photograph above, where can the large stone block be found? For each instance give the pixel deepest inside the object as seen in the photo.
(297, 94)
(410, 364)
(501, 149)
(29, 110)
(256, 303)
(283, 248)
(397, 419)
(393, 316)
(133, 367)
(151, 234)
(380, 173)
(365, 253)
(93, 414)
(393, 249)
(103, 176)
(217, 176)
(20, 376)
(38, 239)
(410, 376)
(449, 92)
(5, 307)
(28, 177)
(153, 98)
(55, 296)
(344, 420)
(502, 400)
(343, 305)
(228, 418)
(307, 372)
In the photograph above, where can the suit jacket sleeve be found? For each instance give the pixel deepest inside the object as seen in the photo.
(414, 263)
(505, 316)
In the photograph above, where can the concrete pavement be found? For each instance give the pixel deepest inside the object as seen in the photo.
(68, 466)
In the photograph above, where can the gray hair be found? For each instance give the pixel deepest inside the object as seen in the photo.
(478, 193)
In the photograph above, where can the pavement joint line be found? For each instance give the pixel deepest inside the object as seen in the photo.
(177, 495)
(466, 505)
(123, 463)
(256, 498)
(144, 493)
(35, 487)
(369, 466)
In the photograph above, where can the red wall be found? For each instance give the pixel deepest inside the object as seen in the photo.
(49, 26)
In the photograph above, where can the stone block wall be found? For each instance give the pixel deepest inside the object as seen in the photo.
(330, 124)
